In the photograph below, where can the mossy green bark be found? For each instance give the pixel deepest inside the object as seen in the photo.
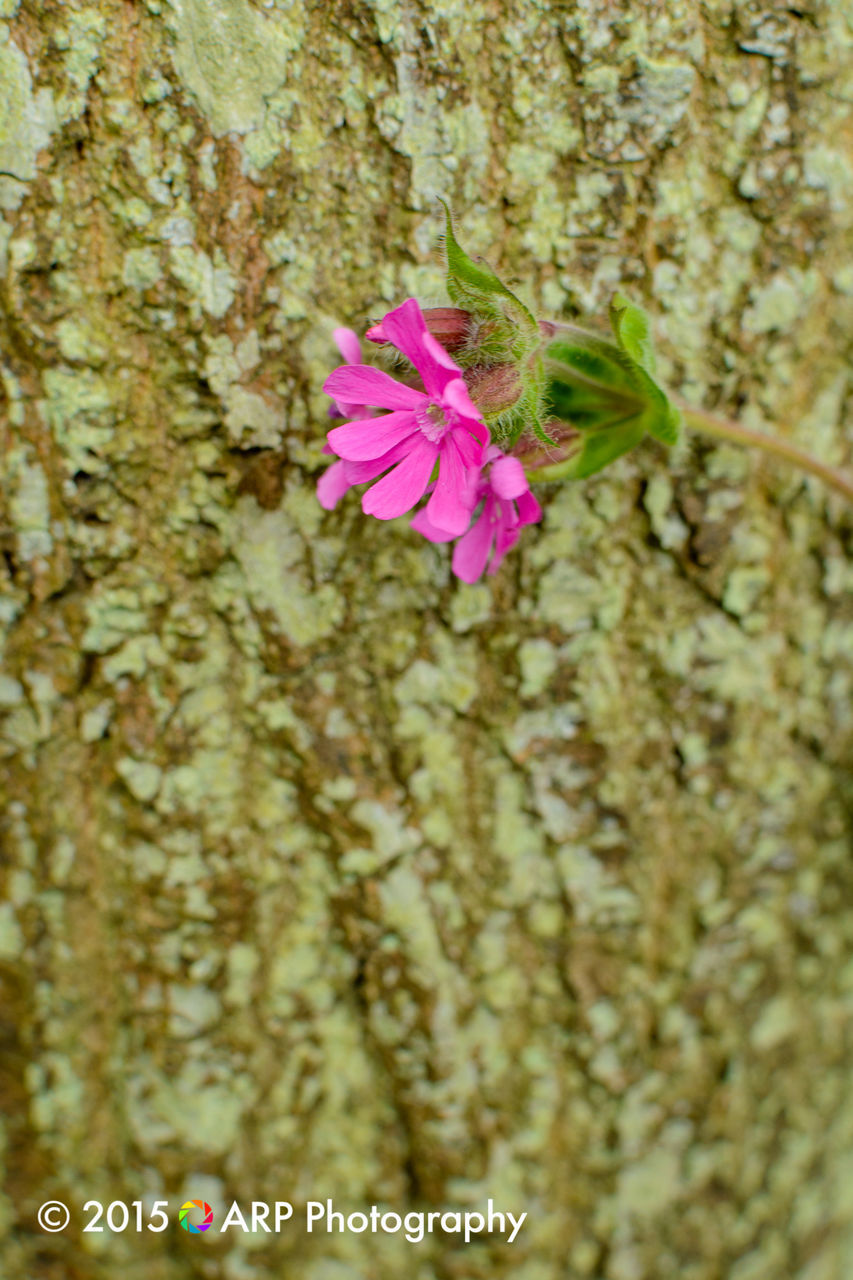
(325, 875)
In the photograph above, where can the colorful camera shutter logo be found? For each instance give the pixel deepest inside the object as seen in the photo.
(184, 1216)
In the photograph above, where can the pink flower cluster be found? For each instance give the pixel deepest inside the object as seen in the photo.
(432, 441)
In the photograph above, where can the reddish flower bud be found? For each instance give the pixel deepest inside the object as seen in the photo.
(451, 326)
(494, 390)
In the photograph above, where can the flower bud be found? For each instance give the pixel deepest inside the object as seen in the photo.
(451, 326)
(494, 390)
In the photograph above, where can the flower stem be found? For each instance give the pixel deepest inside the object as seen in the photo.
(725, 429)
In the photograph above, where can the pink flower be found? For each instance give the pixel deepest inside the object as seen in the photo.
(508, 505)
(439, 425)
(335, 481)
(346, 340)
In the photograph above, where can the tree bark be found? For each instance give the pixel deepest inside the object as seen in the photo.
(324, 874)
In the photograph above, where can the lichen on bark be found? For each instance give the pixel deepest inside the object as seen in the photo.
(324, 874)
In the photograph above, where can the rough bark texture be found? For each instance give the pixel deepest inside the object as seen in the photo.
(323, 874)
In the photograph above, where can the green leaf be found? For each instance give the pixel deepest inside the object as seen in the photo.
(660, 418)
(474, 285)
(582, 359)
(633, 332)
(597, 450)
(603, 447)
(593, 383)
(667, 424)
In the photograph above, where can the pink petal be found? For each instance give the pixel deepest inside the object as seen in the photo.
(500, 552)
(376, 333)
(406, 328)
(507, 478)
(350, 411)
(346, 340)
(371, 437)
(332, 485)
(398, 492)
(456, 397)
(507, 533)
(529, 510)
(361, 472)
(438, 353)
(359, 384)
(421, 523)
(472, 551)
(454, 494)
(469, 447)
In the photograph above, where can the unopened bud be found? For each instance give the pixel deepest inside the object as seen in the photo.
(451, 326)
(494, 390)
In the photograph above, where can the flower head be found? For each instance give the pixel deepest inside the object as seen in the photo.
(508, 505)
(347, 342)
(439, 425)
(337, 478)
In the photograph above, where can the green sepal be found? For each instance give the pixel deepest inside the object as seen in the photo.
(473, 284)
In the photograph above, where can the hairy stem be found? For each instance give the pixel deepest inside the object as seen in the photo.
(725, 429)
